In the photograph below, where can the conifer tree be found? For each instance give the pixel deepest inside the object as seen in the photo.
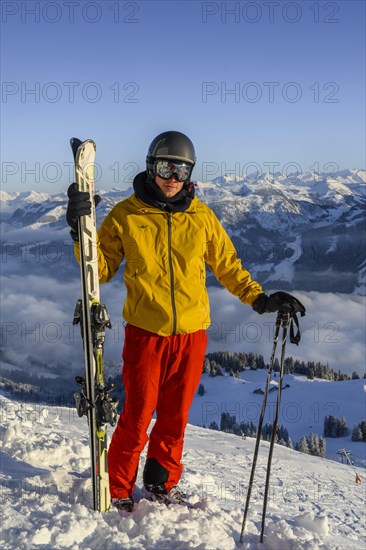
(313, 444)
(342, 428)
(322, 446)
(206, 365)
(303, 445)
(356, 433)
(201, 390)
(363, 429)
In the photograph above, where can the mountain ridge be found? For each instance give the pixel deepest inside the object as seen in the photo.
(310, 227)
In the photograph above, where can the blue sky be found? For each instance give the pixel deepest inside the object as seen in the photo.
(121, 72)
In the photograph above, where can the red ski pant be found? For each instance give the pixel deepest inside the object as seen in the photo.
(160, 373)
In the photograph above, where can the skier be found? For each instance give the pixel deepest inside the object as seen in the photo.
(166, 235)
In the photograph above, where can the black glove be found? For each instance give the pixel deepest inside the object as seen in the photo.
(279, 301)
(79, 205)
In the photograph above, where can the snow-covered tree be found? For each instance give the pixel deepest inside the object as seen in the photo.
(330, 428)
(313, 444)
(206, 365)
(359, 431)
(303, 445)
(289, 365)
(322, 446)
(356, 433)
(342, 428)
(363, 429)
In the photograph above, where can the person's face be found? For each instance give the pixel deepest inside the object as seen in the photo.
(169, 187)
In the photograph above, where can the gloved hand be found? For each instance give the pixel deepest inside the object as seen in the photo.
(279, 301)
(79, 205)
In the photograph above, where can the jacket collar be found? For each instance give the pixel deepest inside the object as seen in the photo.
(148, 192)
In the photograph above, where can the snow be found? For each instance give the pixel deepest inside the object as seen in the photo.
(304, 405)
(313, 503)
(283, 271)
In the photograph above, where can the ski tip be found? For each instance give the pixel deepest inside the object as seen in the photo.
(75, 144)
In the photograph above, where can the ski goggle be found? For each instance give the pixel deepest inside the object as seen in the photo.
(166, 169)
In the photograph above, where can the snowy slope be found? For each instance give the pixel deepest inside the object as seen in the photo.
(304, 405)
(313, 503)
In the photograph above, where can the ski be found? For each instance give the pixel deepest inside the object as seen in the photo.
(93, 399)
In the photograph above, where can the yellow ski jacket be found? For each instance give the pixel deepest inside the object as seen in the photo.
(165, 273)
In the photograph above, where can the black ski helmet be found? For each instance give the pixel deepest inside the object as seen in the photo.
(170, 145)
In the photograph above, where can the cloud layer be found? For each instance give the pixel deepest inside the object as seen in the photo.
(37, 335)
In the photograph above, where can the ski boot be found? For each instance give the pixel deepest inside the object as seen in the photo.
(158, 493)
(123, 504)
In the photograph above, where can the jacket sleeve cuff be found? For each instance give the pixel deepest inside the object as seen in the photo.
(259, 306)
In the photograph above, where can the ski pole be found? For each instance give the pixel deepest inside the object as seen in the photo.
(260, 424)
(285, 322)
(286, 318)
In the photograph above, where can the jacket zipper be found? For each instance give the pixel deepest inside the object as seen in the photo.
(169, 219)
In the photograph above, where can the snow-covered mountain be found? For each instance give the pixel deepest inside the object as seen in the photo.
(313, 503)
(305, 231)
(302, 232)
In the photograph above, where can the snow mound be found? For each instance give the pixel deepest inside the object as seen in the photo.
(45, 485)
(317, 524)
